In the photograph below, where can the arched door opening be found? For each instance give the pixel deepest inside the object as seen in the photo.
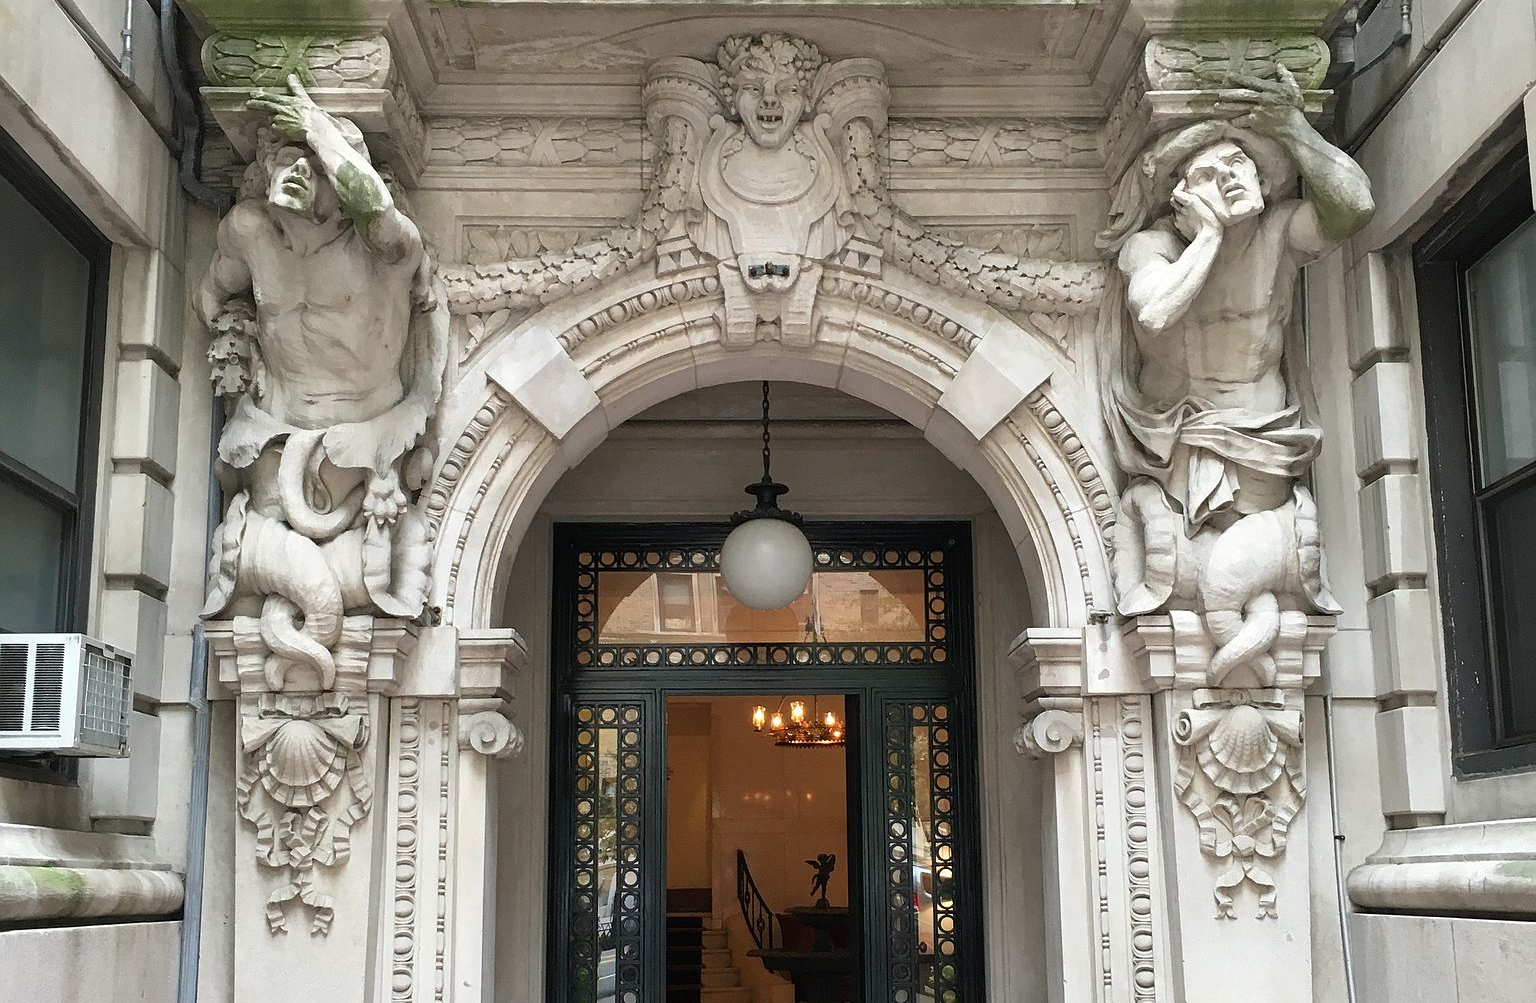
(859, 473)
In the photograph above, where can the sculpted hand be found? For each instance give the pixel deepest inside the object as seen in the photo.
(295, 115)
(1193, 213)
(1268, 107)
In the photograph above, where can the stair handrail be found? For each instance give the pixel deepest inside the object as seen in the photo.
(761, 920)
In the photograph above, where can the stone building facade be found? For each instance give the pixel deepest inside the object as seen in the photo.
(1212, 324)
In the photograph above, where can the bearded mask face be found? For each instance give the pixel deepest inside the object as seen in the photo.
(770, 103)
(1226, 178)
(298, 186)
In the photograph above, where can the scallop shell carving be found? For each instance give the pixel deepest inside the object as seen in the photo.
(1241, 754)
(302, 764)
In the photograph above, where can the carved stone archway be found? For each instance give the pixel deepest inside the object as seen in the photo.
(1004, 403)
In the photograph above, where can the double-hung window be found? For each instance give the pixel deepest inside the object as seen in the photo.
(53, 271)
(1476, 279)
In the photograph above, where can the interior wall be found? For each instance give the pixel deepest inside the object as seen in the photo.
(690, 771)
(780, 806)
(688, 460)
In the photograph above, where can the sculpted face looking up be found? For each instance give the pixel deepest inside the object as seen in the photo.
(296, 186)
(1225, 178)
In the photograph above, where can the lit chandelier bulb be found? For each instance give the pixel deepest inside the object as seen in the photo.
(777, 723)
(797, 712)
(830, 719)
(759, 718)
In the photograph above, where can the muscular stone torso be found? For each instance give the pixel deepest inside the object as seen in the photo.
(333, 327)
(1228, 346)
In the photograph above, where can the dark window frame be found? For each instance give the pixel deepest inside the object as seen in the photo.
(1482, 742)
(79, 506)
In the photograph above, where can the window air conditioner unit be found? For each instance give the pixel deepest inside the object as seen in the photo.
(64, 694)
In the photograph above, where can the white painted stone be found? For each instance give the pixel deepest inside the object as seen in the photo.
(146, 404)
(135, 621)
(1386, 422)
(997, 377)
(544, 381)
(1392, 515)
(1405, 648)
(152, 304)
(128, 788)
(1412, 755)
(138, 530)
(109, 963)
(1376, 324)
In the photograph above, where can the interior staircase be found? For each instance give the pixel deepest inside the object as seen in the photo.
(699, 965)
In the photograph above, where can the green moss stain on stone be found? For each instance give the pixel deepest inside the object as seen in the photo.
(359, 195)
(51, 883)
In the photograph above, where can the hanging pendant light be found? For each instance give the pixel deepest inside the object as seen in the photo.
(766, 561)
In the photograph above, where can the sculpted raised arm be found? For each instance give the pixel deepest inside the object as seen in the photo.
(1338, 203)
(363, 195)
(1162, 280)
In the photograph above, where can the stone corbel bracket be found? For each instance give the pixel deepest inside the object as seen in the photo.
(370, 657)
(349, 75)
(489, 665)
(1181, 78)
(1173, 650)
(1049, 664)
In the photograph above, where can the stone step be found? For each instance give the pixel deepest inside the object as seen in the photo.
(715, 940)
(717, 959)
(734, 994)
(720, 978)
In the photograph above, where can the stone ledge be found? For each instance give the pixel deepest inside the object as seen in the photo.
(58, 874)
(1480, 867)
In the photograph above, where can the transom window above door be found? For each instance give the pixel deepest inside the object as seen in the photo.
(875, 603)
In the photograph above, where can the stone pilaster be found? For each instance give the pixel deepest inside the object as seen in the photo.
(311, 762)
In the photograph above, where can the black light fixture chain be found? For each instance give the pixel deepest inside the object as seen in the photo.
(766, 475)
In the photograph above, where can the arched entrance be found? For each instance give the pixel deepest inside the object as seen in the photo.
(1031, 465)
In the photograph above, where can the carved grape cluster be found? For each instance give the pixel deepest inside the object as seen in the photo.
(761, 53)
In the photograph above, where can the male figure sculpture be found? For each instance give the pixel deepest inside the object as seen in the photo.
(320, 292)
(1205, 405)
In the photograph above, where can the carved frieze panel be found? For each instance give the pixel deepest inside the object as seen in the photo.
(920, 143)
(536, 142)
(267, 60)
(769, 168)
(1187, 63)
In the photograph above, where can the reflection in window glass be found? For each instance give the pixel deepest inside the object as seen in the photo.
(639, 607)
(44, 299)
(32, 545)
(1501, 308)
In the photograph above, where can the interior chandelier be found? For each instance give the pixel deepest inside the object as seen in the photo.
(766, 562)
(799, 728)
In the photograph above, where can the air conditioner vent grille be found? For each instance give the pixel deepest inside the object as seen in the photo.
(13, 686)
(47, 686)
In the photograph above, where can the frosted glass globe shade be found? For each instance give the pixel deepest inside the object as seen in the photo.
(766, 563)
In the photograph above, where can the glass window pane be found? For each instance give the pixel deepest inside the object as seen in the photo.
(645, 607)
(1512, 575)
(1501, 305)
(44, 327)
(31, 559)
